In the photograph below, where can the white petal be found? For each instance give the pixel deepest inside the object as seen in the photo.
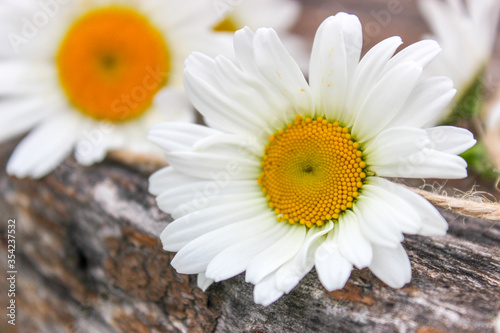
(255, 93)
(201, 201)
(187, 228)
(24, 77)
(332, 268)
(366, 75)
(376, 224)
(168, 178)
(290, 274)
(265, 292)
(422, 52)
(352, 245)
(235, 259)
(385, 100)
(205, 190)
(173, 105)
(173, 136)
(427, 163)
(276, 255)
(208, 96)
(407, 219)
(277, 65)
(95, 140)
(195, 256)
(433, 223)
(426, 103)
(203, 282)
(409, 152)
(44, 148)
(238, 164)
(392, 266)
(20, 115)
(335, 54)
(451, 140)
(283, 280)
(395, 144)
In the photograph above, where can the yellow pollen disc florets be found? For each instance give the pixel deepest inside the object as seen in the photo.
(111, 63)
(313, 171)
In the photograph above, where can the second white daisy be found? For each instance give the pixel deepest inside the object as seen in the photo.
(466, 30)
(94, 77)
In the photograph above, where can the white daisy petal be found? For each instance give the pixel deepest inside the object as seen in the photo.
(331, 65)
(24, 78)
(195, 256)
(466, 30)
(201, 201)
(392, 266)
(223, 186)
(178, 136)
(216, 106)
(387, 147)
(187, 228)
(451, 140)
(332, 268)
(406, 218)
(433, 223)
(20, 115)
(203, 282)
(410, 153)
(426, 103)
(381, 107)
(376, 224)
(276, 64)
(188, 162)
(427, 163)
(422, 53)
(44, 148)
(352, 245)
(290, 273)
(367, 73)
(246, 89)
(265, 292)
(168, 178)
(276, 255)
(234, 259)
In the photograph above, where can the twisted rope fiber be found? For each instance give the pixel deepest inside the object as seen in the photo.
(480, 208)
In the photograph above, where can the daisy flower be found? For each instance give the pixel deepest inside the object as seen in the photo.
(93, 76)
(466, 30)
(290, 174)
(281, 15)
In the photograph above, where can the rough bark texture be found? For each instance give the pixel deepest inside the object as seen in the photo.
(89, 259)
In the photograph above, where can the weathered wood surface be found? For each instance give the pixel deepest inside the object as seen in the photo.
(90, 261)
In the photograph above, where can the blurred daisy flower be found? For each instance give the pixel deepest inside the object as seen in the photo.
(93, 76)
(289, 175)
(281, 15)
(466, 30)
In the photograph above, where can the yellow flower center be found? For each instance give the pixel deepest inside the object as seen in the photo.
(111, 63)
(227, 25)
(313, 171)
